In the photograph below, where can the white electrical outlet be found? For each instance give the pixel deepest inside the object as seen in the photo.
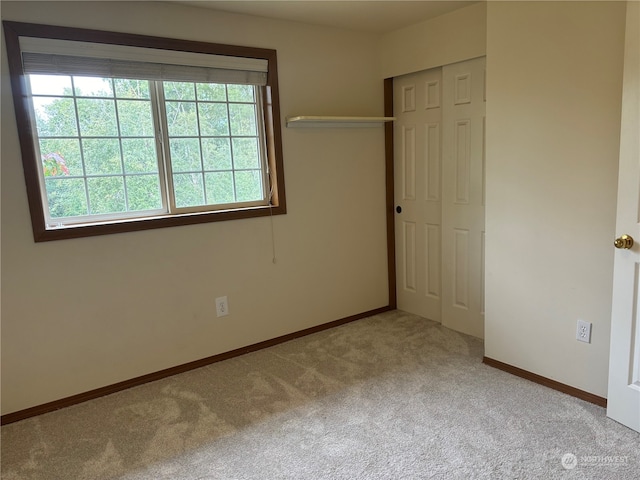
(583, 332)
(222, 306)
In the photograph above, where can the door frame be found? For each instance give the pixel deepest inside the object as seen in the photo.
(390, 193)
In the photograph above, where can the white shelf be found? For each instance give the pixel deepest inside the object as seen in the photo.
(329, 121)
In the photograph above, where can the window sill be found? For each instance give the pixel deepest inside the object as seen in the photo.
(149, 223)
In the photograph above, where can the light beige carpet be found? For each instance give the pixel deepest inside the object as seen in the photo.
(392, 396)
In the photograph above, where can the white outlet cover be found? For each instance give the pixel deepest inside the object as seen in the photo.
(222, 306)
(583, 331)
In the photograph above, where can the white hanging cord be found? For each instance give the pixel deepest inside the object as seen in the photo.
(273, 235)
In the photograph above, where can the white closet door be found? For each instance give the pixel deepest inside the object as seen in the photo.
(463, 127)
(417, 138)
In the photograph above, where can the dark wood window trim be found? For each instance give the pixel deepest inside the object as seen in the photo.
(13, 30)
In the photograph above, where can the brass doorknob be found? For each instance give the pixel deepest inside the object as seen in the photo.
(625, 241)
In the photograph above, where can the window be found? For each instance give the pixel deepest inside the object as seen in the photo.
(124, 132)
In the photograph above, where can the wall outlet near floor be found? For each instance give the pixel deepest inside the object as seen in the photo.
(222, 306)
(583, 332)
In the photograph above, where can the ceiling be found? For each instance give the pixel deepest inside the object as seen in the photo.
(374, 16)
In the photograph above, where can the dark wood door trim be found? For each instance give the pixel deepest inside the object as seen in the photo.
(389, 182)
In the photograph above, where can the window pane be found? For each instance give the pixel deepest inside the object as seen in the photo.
(66, 197)
(240, 93)
(55, 117)
(179, 91)
(102, 147)
(248, 185)
(131, 88)
(106, 195)
(182, 120)
(97, 118)
(101, 156)
(188, 189)
(185, 154)
(67, 149)
(213, 119)
(139, 155)
(136, 119)
(57, 85)
(211, 92)
(143, 192)
(216, 154)
(219, 187)
(92, 87)
(245, 153)
(242, 119)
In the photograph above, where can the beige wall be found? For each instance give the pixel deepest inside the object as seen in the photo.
(553, 116)
(454, 37)
(129, 304)
(81, 314)
(554, 76)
